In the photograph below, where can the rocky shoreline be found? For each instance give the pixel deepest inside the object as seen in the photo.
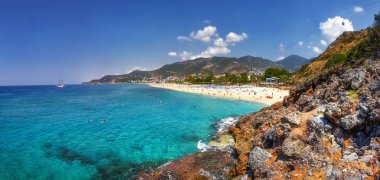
(327, 128)
(214, 159)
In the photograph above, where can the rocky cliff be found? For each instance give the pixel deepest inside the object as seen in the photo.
(327, 128)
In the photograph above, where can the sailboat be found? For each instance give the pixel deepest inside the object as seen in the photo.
(61, 84)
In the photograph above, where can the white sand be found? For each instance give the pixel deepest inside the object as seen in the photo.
(245, 93)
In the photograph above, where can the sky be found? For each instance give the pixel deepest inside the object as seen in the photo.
(43, 41)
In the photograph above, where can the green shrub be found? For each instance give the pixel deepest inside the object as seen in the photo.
(336, 59)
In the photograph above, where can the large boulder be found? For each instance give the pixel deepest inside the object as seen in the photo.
(334, 112)
(257, 159)
(276, 135)
(294, 119)
(295, 148)
(354, 78)
(350, 121)
(306, 103)
(374, 86)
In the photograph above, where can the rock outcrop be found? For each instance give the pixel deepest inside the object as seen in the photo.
(327, 128)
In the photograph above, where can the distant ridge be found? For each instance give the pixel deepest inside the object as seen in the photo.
(215, 65)
(293, 62)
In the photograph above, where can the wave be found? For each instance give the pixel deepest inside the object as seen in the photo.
(223, 124)
(203, 147)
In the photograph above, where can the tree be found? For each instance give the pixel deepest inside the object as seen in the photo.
(243, 78)
(209, 78)
(190, 79)
(276, 72)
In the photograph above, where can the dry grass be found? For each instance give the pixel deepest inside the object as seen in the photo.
(342, 45)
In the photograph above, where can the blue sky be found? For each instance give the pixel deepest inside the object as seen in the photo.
(42, 41)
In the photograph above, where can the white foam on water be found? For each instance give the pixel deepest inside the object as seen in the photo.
(203, 147)
(225, 123)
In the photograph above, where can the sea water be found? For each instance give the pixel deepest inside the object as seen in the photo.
(104, 131)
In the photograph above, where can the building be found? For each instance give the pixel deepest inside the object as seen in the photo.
(272, 80)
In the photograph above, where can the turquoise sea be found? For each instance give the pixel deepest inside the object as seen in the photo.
(104, 131)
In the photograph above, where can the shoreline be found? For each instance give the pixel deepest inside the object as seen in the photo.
(221, 145)
(244, 93)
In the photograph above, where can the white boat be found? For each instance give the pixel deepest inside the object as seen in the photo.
(61, 84)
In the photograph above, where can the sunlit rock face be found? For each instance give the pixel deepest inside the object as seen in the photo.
(327, 128)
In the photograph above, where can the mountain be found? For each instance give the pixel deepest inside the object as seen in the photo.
(293, 62)
(215, 65)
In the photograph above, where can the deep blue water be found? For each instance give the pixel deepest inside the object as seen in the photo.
(106, 131)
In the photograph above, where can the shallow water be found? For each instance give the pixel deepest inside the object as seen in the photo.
(105, 131)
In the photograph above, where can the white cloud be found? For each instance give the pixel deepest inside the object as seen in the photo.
(233, 37)
(185, 55)
(280, 58)
(214, 51)
(300, 43)
(323, 42)
(134, 68)
(183, 38)
(205, 34)
(281, 47)
(333, 27)
(317, 50)
(172, 54)
(220, 42)
(358, 9)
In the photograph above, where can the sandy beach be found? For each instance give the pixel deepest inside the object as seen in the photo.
(245, 93)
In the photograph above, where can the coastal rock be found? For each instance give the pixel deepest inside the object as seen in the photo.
(333, 113)
(374, 86)
(354, 78)
(375, 143)
(306, 104)
(295, 148)
(366, 159)
(293, 119)
(350, 121)
(276, 135)
(374, 115)
(204, 165)
(167, 175)
(350, 157)
(256, 159)
(363, 110)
